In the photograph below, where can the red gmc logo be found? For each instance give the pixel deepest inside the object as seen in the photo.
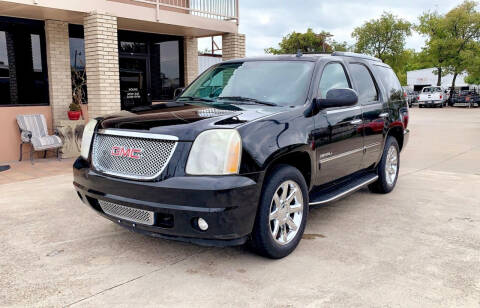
(126, 152)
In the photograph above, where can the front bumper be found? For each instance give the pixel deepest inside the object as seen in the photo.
(227, 203)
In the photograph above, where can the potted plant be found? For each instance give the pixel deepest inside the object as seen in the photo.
(78, 93)
(74, 111)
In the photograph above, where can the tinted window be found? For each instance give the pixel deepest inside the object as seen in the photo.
(367, 92)
(169, 64)
(132, 47)
(163, 71)
(333, 77)
(390, 82)
(23, 74)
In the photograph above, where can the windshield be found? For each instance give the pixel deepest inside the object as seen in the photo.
(283, 83)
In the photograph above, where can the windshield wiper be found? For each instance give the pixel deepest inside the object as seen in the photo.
(246, 99)
(194, 98)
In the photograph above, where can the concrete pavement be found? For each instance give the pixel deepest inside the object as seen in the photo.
(418, 246)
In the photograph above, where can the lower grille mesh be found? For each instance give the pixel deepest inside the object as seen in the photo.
(127, 213)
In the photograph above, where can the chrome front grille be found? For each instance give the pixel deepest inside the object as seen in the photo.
(127, 213)
(132, 155)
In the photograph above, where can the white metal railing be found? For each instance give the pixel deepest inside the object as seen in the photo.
(214, 9)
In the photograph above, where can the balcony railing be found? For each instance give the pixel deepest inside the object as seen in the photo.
(214, 9)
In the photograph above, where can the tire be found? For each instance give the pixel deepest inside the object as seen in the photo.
(267, 238)
(387, 180)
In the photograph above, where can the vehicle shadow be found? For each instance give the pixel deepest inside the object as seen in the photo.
(146, 247)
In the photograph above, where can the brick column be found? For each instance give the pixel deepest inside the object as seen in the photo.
(190, 59)
(233, 46)
(59, 74)
(101, 57)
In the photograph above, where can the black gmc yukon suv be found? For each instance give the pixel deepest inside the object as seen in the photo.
(244, 150)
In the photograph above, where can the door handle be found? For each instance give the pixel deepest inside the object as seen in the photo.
(356, 121)
(383, 115)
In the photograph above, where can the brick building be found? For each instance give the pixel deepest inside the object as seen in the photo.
(133, 52)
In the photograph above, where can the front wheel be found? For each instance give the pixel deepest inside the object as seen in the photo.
(388, 168)
(282, 213)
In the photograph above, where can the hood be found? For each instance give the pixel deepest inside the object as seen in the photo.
(186, 121)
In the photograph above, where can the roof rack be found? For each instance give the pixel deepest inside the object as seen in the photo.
(355, 55)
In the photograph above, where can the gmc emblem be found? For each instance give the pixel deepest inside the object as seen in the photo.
(126, 152)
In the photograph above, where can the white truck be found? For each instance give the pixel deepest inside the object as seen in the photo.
(431, 97)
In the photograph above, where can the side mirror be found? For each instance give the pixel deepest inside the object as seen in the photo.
(338, 98)
(177, 92)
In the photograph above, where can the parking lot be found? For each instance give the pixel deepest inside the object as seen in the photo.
(417, 246)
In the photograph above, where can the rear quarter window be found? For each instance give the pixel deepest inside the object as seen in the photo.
(367, 91)
(390, 82)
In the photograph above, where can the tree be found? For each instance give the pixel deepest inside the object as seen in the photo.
(473, 67)
(462, 25)
(437, 50)
(340, 46)
(305, 42)
(383, 38)
(407, 60)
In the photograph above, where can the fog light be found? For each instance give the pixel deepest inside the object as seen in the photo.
(202, 224)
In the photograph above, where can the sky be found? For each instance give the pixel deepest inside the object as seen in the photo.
(265, 22)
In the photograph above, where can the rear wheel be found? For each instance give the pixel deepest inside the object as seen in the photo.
(388, 168)
(282, 213)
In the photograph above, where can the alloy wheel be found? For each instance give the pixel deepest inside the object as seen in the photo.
(286, 211)
(391, 165)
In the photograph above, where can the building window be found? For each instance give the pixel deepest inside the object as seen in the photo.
(36, 53)
(169, 69)
(23, 72)
(150, 65)
(77, 58)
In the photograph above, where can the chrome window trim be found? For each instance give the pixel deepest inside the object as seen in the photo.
(122, 133)
(343, 109)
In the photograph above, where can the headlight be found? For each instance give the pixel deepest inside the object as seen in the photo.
(87, 138)
(215, 152)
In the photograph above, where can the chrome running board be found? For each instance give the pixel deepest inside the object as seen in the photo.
(318, 197)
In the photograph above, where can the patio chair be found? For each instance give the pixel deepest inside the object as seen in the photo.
(33, 130)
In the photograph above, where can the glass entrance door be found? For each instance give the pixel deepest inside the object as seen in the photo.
(134, 90)
(150, 67)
